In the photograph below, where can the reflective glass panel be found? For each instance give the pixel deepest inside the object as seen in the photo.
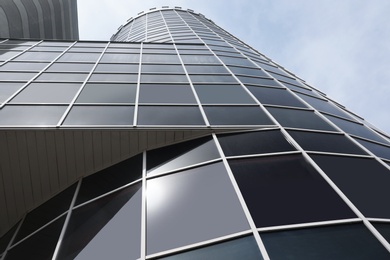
(201, 69)
(241, 248)
(236, 115)
(155, 93)
(39, 246)
(158, 68)
(181, 155)
(106, 228)
(169, 115)
(384, 229)
(299, 119)
(223, 94)
(110, 178)
(69, 77)
(80, 56)
(275, 96)
(352, 241)
(17, 76)
(8, 88)
(200, 59)
(46, 212)
(150, 78)
(364, 181)
(323, 142)
(258, 81)
(282, 190)
(120, 58)
(355, 129)
(100, 115)
(71, 67)
(125, 68)
(107, 93)
(160, 58)
(191, 206)
(33, 66)
(6, 238)
(254, 143)
(47, 93)
(38, 56)
(31, 115)
(114, 77)
(248, 71)
(213, 78)
(377, 149)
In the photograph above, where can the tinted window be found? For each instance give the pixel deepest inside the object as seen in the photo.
(275, 96)
(169, 115)
(48, 93)
(107, 93)
(31, 115)
(100, 115)
(236, 115)
(377, 149)
(223, 94)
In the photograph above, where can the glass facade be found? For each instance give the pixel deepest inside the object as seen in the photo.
(271, 167)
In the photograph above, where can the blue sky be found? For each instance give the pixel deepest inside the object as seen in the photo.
(340, 47)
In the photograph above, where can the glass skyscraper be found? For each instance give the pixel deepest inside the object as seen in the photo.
(176, 140)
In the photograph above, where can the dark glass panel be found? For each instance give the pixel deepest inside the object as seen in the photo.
(258, 81)
(299, 119)
(39, 246)
(126, 68)
(106, 228)
(120, 58)
(47, 93)
(248, 71)
(110, 178)
(377, 149)
(80, 56)
(241, 248)
(71, 67)
(352, 241)
(284, 78)
(324, 105)
(38, 56)
(169, 115)
(100, 115)
(6, 238)
(154, 93)
(236, 61)
(201, 69)
(7, 89)
(200, 59)
(181, 155)
(282, 190)
(70, 77)
(384, 229)
(31, 115)
(254, 143)
(275, 96)
(160, 58)
(364, 181)
(158, 68)
(158, 78)
(223, 94)
(33, 66)
(114, 77)
(355, 129)
(300, 89)
(108, 93)
(236, 115)
(46, 212)
(190, 207)
(325, 142)
(213, 78)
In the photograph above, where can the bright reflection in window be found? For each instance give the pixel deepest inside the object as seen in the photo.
(157, 195)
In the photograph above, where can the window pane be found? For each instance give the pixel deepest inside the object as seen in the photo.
(38, 56)
(299, 119)
(236, 115)
(62, 77)
(190, 207)
(127, 68)
(169, 115)
(17, 76)
(31, 115)
(352, 241)
(110, 178)
(7, 89)
(205, 69)
(325, 142)
(47, 93)
(71, 67)
(355, 129)
(254, 143)
(166, 94)
(162, 68)
(100, 115)
(377, 149)
(384, 229)
(110, 226)
(34, 66)
(223, 94)
(258, 81)
(275, 96)
(289, 190)
(213, 78)
(241, 248)
(364, 181)
(160, 58)
(114, 77)
(108, 93)
(200, 59)
(248, 71)
(120, 58)
(148, 78)
(80, 56)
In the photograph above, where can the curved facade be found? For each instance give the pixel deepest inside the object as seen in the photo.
(39, 19)
(271, 168)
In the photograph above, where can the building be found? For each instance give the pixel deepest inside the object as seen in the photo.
(39, 19)
(177, 140)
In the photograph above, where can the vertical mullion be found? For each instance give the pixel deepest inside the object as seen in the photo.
(135, 118)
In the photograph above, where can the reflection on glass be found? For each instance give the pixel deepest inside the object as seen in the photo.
(48, 93)
(31, 115)
(107, 93)
(384, 229)
(100, 115)
(364, 181)
(166, 93)
(241, 248)
(352, 241)
(289, 190)
(191, 206)
(275, 96)
(236, 115)
(254, 143)
(8, 88)
(106, 228)
(223, 94)
(377, 149)
(169, 115)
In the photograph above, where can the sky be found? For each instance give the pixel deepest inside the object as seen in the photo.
(339, 47)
